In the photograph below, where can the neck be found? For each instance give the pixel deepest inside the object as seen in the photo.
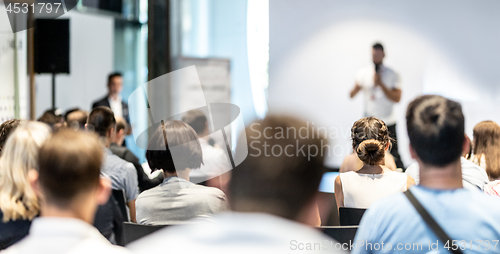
(105, 141)
(372, 169)
(445, 178)
(113, 96)
(184, 174)
(82, 211)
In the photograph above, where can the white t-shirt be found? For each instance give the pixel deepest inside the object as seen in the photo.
(361, 190)
(473, 176)
(376, 102)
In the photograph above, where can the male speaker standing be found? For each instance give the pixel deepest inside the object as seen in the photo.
(113, 99)
(381, 87)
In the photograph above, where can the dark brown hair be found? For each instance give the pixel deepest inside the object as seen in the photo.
(113, 75)
(69, 164)
(281, 183)
(6, 128)
(196, 119)
(369, 137)
(487, 142)
(101, 119)
(174, 139)
(436, 129)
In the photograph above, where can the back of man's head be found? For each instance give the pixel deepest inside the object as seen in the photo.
(101, 120)
(69, 165)
(436, 129)
(197, 120)
(282, 172)
(77, 119)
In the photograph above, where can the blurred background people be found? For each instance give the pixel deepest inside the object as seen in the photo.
(216, 164)
(18, 202)
(69, 188)
(486, 153)
(273, 199)
(123, 152)
(123, 174)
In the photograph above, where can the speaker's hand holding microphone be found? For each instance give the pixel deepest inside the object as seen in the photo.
(376, 78)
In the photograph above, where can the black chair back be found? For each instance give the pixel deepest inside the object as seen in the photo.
(119, 196)
(134, 231)
(350, 216)
(343, 234)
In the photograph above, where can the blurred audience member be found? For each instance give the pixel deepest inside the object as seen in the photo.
(18, 202)
(70, 188)
(486, 153)
(436, 130)
(123, 152)
(122, 173)
(6, 128)
(77, 119)
(273, 197)
(359, 189)
(175, 149)
(53, 118)
(216, 165)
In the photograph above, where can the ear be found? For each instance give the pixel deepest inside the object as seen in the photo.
(86, 127)
(387, 146)
(466, 145)
(413, 153)
(33, 179)
(111, 133)
(103, 191)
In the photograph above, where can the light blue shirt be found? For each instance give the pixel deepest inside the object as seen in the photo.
(122, 174)
(465, 215)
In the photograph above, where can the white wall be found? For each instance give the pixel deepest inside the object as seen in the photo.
(91, 60)
(447, 47)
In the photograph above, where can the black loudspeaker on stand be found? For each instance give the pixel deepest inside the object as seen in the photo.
(52, 49)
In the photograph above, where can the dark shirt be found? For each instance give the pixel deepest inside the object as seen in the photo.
(144, 182)
(12, 231)
(108, 220)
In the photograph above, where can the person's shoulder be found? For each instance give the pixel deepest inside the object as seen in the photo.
(208, 190)
(100, 102)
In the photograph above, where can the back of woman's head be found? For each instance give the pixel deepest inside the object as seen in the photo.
(369, 137)
(20, 154)
(174, 146)
(486, 136)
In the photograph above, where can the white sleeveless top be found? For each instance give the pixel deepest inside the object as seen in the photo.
(361, 190)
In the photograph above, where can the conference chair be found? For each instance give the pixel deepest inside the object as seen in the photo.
(350, 216)
(133, 231)
(343, 234)
(119, 196)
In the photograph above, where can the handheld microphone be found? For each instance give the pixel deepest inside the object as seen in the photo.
(377, 68)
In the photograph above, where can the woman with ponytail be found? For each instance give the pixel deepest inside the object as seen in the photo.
(370, 141)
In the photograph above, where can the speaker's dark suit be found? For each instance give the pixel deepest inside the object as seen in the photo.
(104, 102)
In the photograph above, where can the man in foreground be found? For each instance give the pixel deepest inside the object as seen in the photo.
(70, 189)
(469, 218)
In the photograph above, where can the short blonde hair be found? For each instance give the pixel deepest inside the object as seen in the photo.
(20, 154)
